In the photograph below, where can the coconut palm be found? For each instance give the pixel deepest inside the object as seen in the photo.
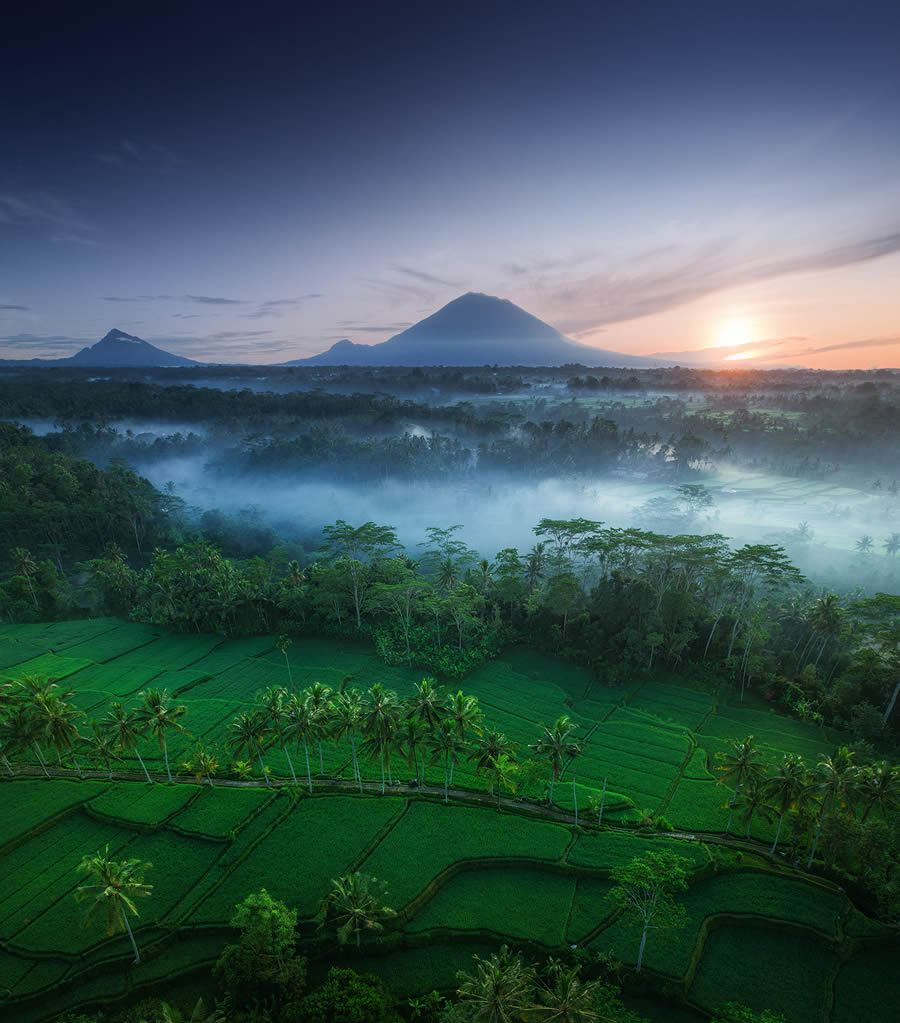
(892, 545)
(411, 736)
(284, 641)
(499, 991)
(101, 747)
(274, 713)
(25, 566)
(504, 771)
(28, 693)
(345, 721)
(158, 715)
(355, 903)
(832, 781)
(445, 744)
(126, 730)
(879, 785)
(466, 715)
(56, 719)
(300, 727)
(556, 745)
(489, 748)
(247, 733)
(784, 789)
(753, 801)
(203, 764)
(380, 719)
(864, 544)
(738, 767)
(18, 731)
(427, 703)
(318, 696)
(112, 890)
(566, 998)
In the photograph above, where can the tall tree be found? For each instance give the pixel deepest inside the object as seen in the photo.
(427, 703)
(272, 707)
(645, 889)
(159, 716)
(319, 696)
(247, 733)
(557, 745)
(879, 785)
(345, 721)
(349, 545)
(445, 744)
(112, 890)
(126, 729)
(356, 904)
(739, 765)
(380, 718)
(784, 788)
(500, 990)
(832, 781)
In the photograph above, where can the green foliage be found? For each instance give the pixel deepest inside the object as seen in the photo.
(347, 997)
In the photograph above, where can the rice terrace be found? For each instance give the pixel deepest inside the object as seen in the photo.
(466, 866)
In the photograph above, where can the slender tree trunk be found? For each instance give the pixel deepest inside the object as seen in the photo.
(321, 764)
(357, 937)
(356, 762)
(262, 768)
(890, 705)
(551, 790)
(777, 835)
(710, 636)
(862, 820)
(308, 772)
(37, 750)
(166, 758)
(8, 764)
(381, 758)
(141, 762)
(288, 663)
(446, 778)
(640, 958)
(137, 955)
(602, 801)
(77, 766)
(731, 814)
(575, 800)
(812, 852)
(290, 763)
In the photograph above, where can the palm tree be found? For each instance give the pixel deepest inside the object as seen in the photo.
(739, 767)
(557, 745)
(444, 742)
(113, 890)
(203, 764)
(248, 732)
(411, 739)
(504, 770)
(274, 714)
(102, 747)
(18, 731)
(357, 905)
(318, 695)
(300, 727)
(29, 692)
(56, 721)
(284, 641)
(832, 781)
(567, 998)
(25, 565)
(345, 720)
(157, 716)
(427, 703)
(784, 788)
(126, 729)
(380, 724)
(489, 748)
(752, 801)
(500, 989)
(879, 785)
(465, 714)
(892, 545)
(864, 544)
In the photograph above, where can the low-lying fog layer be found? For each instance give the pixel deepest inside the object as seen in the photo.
(818, 523)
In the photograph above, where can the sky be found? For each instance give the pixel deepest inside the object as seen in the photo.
(715, 181)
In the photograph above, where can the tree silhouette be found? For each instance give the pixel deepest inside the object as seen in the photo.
(355, 904)
(112, 889)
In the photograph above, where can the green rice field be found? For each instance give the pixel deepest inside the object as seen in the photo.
(463, 877)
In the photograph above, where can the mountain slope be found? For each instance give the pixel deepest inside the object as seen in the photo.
(121, 349)
(474, 330)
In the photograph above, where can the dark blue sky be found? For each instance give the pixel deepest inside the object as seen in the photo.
(644, 176)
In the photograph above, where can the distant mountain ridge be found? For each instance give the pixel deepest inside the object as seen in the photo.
(116, 350)
(475, 330)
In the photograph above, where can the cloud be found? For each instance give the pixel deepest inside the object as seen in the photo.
(199, 299)
(425, 277)
(128, 155)
(872, 342)
(275, 306)
(716, 353)
(547, 264)
(44, 211)
(6, 307)
(187, 316)
(601, 299)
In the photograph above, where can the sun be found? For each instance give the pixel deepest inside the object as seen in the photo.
(733, 333)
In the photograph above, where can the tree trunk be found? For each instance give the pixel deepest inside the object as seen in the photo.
(381, 758)
(356, 763)
(288, 663)
(321, 764)
(141, 762)
(262, 768)
(41, 759)
(308, 772)
(290, 763)
(446, 777)
(777, 836)
(602, 801)
(551, 791)
(137, 955)
(890, 705)
(166, 757)
(812, 851)
(731, 814)
(575, 800)
(8, 764)
(641, 950)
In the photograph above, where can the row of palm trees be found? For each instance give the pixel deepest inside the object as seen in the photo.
(35, 712)
(429, 727)
(834, 783)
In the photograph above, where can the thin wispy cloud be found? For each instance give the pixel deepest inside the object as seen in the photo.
(199, 299)
(277, 306)
(7, 307)
(600, 299)
(426, 278)
(46, 212)
(128, 155)
(872, 342)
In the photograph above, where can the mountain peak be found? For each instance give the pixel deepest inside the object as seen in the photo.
(117, 348)
(119, 335)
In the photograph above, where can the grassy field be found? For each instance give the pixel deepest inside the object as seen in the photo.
(464, 877)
